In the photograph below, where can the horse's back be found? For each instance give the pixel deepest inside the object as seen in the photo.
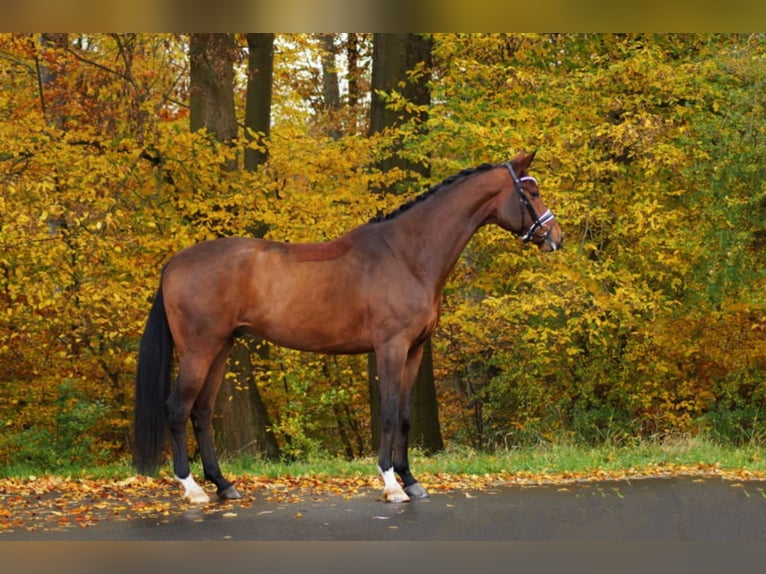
(215, 251)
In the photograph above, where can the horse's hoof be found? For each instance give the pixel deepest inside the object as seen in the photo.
(416, 491)
(395, 495)
(230, 493)
(198, 497)
(192, 491)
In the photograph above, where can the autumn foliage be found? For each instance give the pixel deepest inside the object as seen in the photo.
(650, 150)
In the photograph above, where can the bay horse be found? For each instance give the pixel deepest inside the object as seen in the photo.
(375, 289)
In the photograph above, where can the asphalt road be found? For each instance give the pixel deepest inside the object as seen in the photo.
(667, 509)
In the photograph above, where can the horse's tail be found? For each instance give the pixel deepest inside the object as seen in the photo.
(152, 387)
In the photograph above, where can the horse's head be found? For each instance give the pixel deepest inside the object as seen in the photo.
(521, 209)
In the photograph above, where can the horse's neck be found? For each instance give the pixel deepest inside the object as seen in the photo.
(441, 227)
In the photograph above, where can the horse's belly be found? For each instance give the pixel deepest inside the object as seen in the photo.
(312, 325)
(313, 339)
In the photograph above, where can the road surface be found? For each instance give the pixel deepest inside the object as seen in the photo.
(666, 509)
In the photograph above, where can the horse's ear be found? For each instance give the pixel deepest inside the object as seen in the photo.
(522, 161)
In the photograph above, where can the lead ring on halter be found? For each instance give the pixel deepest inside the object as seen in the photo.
(537, 222)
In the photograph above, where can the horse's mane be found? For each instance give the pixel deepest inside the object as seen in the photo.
(428, 193)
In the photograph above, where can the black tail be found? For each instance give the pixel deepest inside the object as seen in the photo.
(152, 387)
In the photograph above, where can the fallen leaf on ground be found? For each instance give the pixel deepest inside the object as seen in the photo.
(51, 503)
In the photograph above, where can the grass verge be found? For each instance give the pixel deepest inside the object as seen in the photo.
(650, 458)
(681, 456)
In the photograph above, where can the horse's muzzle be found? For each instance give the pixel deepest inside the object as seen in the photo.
(552, 239)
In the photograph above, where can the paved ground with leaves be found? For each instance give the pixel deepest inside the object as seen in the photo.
(666, 504)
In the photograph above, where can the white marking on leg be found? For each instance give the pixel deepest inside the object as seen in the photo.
(193, 491)
(392, 491)
(389, 480)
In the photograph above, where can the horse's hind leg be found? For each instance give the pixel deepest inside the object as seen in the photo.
(191, 377)
(201, 415)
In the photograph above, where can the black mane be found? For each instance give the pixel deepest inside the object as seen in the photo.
(426, 194)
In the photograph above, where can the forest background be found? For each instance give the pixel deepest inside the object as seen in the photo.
(651, 323)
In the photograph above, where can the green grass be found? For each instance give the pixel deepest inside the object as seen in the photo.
(548, 459)
(538, 460)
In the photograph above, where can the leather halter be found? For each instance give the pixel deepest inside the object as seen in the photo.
(537, 222)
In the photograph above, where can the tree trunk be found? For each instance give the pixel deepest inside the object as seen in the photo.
(355, 47)
(211, 77)
(240, 421)
(260, 70)
(330, 87)
(52, 105)
(393, 56)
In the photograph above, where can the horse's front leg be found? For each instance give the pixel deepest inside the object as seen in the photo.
(390, 366)
(401, 441)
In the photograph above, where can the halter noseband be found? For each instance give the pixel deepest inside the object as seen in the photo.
(537, 222)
